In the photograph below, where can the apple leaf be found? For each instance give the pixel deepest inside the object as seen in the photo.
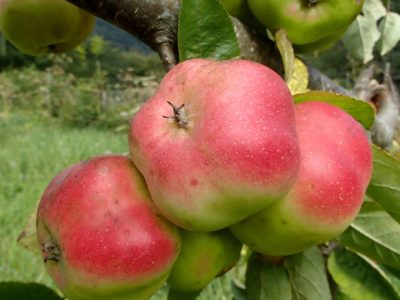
(361, 36)
(384, 187)
(375, 8)
(392, 277)
(253, 279)
(285, 48)
(266, 281)
(238, 292)
(355, 279)
(307, 275)
(275, 283)
(27, 237)
(359, 110)
(375, 234)
(299, 81)
(390, 32)
(205, 30)
(177, 295)
(12, 290)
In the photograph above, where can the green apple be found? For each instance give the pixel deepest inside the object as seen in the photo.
(43, 26)
(203, 256)
(241, 10)
(237, 8)
(306, 21)
(318, 46)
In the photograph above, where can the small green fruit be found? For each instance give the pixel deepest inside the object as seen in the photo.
(306, 21)
(203, 257)
(44, 26)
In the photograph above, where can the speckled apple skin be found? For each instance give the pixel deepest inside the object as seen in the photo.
(113, 242)
(336, 166)
(238, 154)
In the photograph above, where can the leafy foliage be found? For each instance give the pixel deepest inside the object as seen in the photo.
(384, 186)
(377, 28)
(375, 234)
(359, 110)
(213, 36)
(357, 280)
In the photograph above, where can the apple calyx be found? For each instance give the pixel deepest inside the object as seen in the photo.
(51, 251)
(179, 115)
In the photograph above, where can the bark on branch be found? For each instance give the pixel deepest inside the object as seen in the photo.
(154, 22)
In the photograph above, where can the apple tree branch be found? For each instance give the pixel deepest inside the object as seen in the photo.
(155, 23)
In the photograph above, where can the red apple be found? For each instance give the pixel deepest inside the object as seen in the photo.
(100, 235)
(216, 143)
(336, 166)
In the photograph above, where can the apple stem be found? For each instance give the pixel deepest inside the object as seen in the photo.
(179, 115)
(51, 251)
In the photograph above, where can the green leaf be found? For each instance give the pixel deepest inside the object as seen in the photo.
(308, 275)
(384, 186)
(275, 283)
(359, 110)
(177, 295)
(205, 30)
(355, 279)
(392, 277)
(27, 237)
(361, 36)
(375, 234)
(26, 291)
(266, 281)
(285, 48)
(374, 8)
(253, 279)
(390, 32)
(238, 292)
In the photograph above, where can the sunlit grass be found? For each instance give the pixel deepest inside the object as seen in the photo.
(31, 154)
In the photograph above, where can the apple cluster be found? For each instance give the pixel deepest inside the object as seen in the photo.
(220, 156)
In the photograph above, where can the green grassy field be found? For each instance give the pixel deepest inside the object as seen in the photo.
(32, 152)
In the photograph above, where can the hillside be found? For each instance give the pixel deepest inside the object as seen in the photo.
(119, 38)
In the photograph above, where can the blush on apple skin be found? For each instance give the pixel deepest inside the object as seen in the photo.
(336, 166)
(110, 238)
(237, 153)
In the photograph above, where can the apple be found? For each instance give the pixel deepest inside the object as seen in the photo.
(237, 8)
(101, 236)
(216, 143)
(320, 45)
(240, 10)
(203, 257)
(44, 26)
(336, 166)
(306, 21)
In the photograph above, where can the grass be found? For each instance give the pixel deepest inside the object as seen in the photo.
(32, 152)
